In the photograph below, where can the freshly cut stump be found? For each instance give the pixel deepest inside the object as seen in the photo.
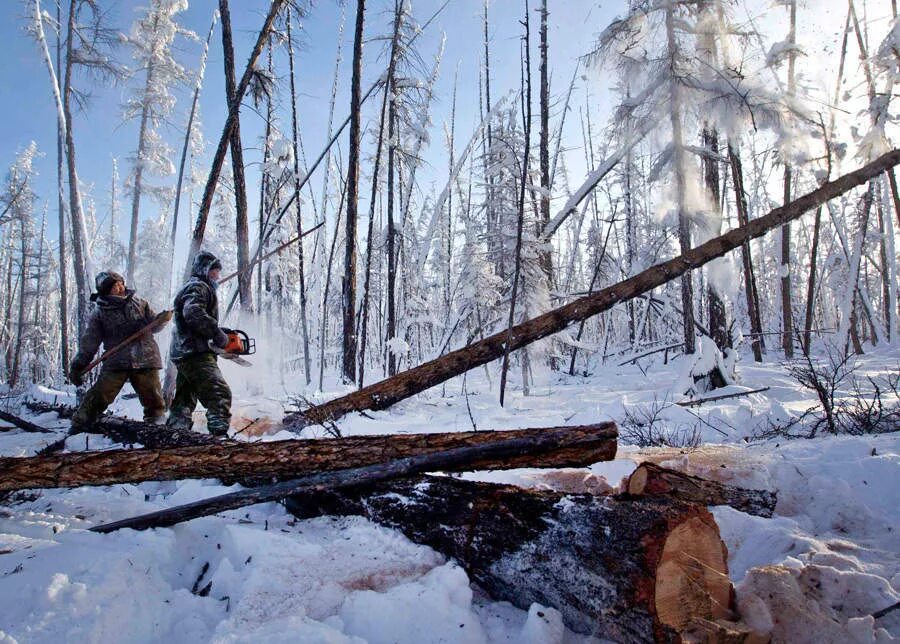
(650, 479)
(626, 569)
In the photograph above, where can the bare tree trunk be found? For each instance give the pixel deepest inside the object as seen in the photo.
(184, 150)
(546, 258)
(385, 393)
(787, 316)
(684, 231)
(387, 112)
(304, 326)
(81, 259)
(20, 318)
(718, 320)
(323, 331)
(752, 295)
(348, 290)
(242, 227)
(61, 209)
(520, 223)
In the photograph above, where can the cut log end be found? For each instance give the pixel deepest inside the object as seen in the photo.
(692, 576)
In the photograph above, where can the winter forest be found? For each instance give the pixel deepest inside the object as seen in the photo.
(653, 241)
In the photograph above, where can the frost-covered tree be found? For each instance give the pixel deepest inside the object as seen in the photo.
(152, 40)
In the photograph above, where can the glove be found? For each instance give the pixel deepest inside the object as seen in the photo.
(76, 377)
(220, 339)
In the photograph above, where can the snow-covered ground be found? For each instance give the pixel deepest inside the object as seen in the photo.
(816, 571)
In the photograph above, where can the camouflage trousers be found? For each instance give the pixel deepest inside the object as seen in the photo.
(145, 383)
(199, 378)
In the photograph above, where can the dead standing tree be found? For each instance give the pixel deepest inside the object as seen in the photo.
(387, 392)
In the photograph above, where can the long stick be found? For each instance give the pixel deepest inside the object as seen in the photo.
(292, 240)
(315, 483)
(387, 392)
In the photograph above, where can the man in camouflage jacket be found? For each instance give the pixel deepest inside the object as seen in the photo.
(196, 326)
(116, 314)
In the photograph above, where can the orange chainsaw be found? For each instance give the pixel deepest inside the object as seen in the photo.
(239, 344)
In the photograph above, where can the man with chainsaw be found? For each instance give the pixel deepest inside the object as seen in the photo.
(117, 313)
(196, 340)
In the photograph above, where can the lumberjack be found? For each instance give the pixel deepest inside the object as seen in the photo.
(197, 334)
(117, 314)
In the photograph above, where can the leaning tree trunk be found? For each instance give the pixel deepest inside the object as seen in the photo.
(577, 446)
(616, 568)
(383, 394)
(225, 138)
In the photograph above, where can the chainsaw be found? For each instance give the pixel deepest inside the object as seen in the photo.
(239, 344)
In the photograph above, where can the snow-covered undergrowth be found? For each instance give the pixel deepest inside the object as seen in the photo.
(815, 572)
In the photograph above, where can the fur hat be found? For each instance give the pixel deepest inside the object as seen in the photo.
(105, 280)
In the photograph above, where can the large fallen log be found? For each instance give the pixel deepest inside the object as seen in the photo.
(391, 390)
(500, 451)
(128, 431)
(629, 570)
(567, 447)
(649, 479)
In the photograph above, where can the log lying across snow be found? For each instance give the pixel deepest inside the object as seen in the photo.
(382, 395)
(128, 431)
(551, 447)
(650, 479)
(616, 567)
(515, 447)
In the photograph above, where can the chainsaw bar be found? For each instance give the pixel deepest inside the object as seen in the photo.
(236, 359)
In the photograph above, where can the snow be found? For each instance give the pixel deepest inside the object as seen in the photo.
(816, 571)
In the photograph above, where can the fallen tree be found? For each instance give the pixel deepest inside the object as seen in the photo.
(541, 447)
(649, 479)
(516, 447)
(126, 430)
(391, 390)
(624, 569)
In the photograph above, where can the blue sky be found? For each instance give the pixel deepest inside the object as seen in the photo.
(27, 112)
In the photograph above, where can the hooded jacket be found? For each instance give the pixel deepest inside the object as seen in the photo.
(113, 318)
(196, 310)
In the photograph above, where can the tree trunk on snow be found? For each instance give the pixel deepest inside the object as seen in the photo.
(752, 295)
(20, 318)
(225, 139)
(242, 227)
(348, 290)
(385, 393)
(650, 479)
(616, 568)
(541, 447)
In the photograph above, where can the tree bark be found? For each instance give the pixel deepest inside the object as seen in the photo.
(650, 479)
(617, 568)
(385, 393)
(61, 206)
(242, 226)
(541, 447)
(787, 316)
(718, 319)
(138, 179)
(546, 258)
(348, 290)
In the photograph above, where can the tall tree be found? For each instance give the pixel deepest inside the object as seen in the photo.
(348, 285)
(787, 316)
(152, 38)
